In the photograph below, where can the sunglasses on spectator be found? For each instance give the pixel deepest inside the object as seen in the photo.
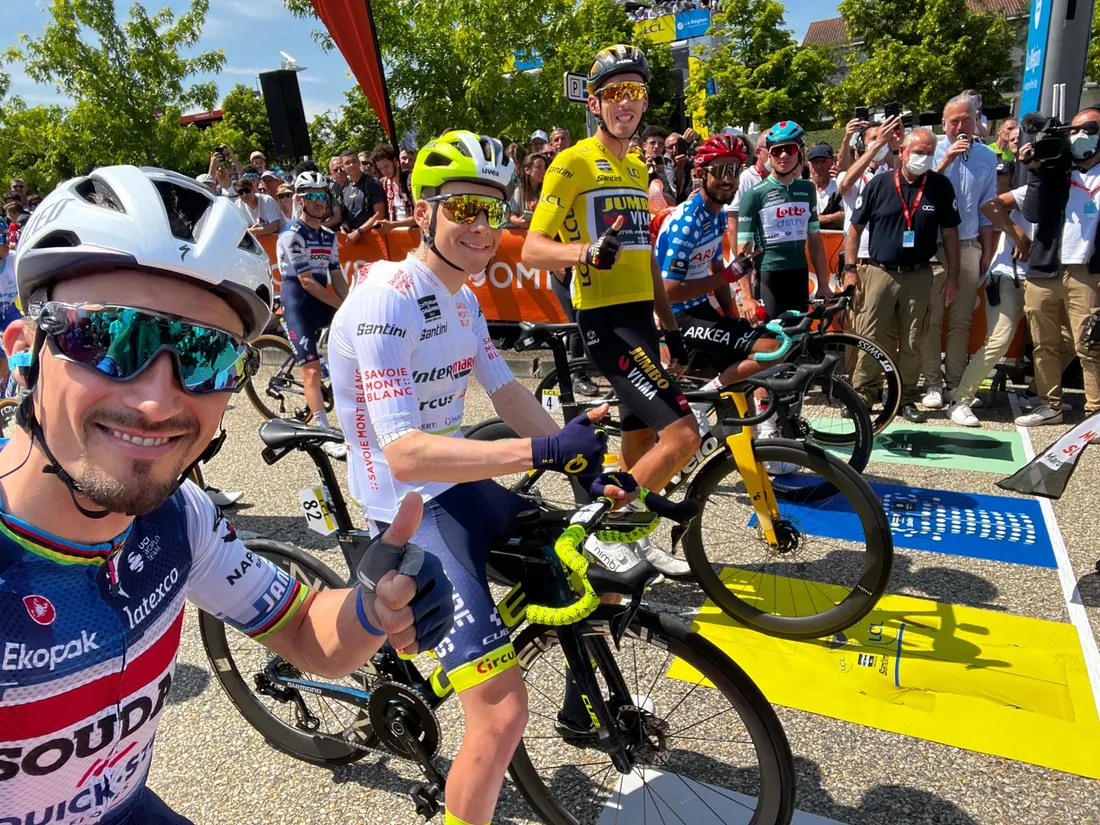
(313, 197)
(626, 90)
(724, 170)
(284, 196)
(785, 149)
(120, 343)
(464, 209)
(247, 190)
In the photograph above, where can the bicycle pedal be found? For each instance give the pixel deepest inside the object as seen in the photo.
(425, 799)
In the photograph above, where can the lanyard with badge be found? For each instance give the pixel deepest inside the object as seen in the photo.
(908, 237)
(1090, 204)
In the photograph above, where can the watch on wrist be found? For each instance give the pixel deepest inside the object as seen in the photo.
(850, 267)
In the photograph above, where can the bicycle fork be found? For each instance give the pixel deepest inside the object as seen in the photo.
(757, 482)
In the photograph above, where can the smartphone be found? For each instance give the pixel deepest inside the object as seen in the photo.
(659, 161)
(682, 146)
(862, 113)
(891, 110)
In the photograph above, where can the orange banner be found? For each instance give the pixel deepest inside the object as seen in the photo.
(510, 291)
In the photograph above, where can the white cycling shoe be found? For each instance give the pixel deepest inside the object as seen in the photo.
(619, 557)
(769, 428)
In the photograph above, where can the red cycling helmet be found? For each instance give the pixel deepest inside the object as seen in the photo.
(719, 147)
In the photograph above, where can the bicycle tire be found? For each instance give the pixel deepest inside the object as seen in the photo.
(275, 351)
(774, 762)
(850, 342)
(857, 443)
(239, 687)
(873, 570)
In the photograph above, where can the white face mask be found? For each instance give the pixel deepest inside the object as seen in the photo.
(880, 155)
(768, 166)
(1083, 146)
(919, 164)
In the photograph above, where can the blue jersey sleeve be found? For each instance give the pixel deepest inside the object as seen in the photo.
(678, 238)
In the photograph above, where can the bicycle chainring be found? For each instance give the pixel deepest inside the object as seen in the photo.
(397, 712)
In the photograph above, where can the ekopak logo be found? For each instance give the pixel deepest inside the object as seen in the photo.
(40, 609)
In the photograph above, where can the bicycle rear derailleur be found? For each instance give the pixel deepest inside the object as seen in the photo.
(407, 727)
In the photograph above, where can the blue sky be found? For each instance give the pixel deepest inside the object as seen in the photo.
(252, 32)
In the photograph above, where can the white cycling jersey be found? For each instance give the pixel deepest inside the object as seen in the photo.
(401, 350)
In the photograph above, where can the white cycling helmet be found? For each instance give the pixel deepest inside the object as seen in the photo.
(310, 182)
(151, 220)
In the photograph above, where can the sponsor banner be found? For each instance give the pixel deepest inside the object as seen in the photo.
(692, 23)
(508, 290)
(659, 29)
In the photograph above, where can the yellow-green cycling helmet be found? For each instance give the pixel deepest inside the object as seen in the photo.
(462, 155)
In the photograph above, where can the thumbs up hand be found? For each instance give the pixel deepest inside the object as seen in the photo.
(604, 253)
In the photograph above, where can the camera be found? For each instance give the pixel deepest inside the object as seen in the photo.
(1050, 144)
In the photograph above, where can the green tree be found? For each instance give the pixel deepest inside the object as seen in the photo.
(920, 53)
(761, 73)
(246, 113)
(1092, 67)
(129, 82)
(447, 62)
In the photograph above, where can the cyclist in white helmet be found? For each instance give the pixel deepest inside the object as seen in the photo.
(142, 289)
(308, 261)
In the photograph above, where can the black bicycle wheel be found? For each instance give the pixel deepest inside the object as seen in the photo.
(834, 556)
(276, 390)
(706, 747)
(236, 660)
(832, 416)
(849, 347)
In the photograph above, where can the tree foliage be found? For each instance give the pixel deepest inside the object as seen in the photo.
(354, 126)
(129, 81)
(761, 73)
(920, 53)
(447, 62)
(1092, 66)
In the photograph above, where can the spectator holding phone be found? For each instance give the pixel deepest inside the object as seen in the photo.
(660, 167)
(225, 169)
(972, 169)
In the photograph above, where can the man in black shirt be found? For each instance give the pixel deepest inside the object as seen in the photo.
(364, 200)
(905, 212)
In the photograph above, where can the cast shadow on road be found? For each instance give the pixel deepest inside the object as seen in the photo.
(893, 804)
(1089, 588)
(187, 682)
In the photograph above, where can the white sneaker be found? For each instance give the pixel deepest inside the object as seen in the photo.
(962, 415)
(662, 560)
(1043, 414)
(337, 450)
(224, 498)
(769, 428)
(615, 556)
(933, 399)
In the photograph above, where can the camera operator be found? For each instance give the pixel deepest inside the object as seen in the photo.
(1063, 200)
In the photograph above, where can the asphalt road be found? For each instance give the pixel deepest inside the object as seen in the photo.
(211, 766)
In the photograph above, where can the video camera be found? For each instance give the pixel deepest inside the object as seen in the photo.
(1050, 144)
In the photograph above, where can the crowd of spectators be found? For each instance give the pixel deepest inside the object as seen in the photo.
(664, 7)
(368, 190)
(18, 205)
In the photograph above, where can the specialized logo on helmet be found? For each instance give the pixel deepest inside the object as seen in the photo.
(40, 609)
(184, 249)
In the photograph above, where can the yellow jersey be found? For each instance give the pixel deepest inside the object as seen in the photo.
(585, 189)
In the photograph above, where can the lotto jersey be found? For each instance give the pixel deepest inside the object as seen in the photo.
(779, 217)
(401, 350)
(301, 249)
(88, 641)
(586, 188)
(690, 239)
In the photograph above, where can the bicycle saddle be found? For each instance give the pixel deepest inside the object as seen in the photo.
(281, 433)
(532, 334)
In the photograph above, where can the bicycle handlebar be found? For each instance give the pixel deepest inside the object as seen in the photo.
(567, 548)
(793, 325)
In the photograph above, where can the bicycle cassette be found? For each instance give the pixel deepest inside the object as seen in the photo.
(403, 721)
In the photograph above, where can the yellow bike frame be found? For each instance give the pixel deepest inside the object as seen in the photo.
(757, 482)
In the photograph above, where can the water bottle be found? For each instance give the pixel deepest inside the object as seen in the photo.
(324, 367)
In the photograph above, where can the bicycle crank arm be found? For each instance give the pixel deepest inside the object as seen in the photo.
(401, 727)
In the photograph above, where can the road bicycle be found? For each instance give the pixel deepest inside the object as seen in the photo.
(657, 746)
(805, 564)
(276, 390)
(805, 338)
(827, 411)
